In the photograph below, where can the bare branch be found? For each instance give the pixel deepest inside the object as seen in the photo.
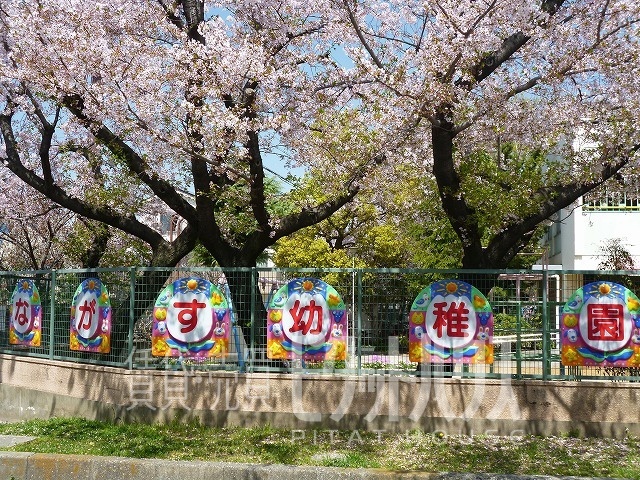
(363, 41)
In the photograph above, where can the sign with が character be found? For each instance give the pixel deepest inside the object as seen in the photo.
(91, 318)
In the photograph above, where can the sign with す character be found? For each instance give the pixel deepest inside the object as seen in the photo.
(601, 326)
(191, 319)
(91, 318)
(451, 320)
(25, 323)
(307, 319)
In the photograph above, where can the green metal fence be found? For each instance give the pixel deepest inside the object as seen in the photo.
(526, 307)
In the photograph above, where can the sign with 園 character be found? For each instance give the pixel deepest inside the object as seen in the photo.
(451, 320)
(191, 319)
(600, 325)
(307, 319)
(91, 318)
(25, 323)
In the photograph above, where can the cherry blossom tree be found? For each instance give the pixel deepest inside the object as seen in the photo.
(29, 227)
(38, 234)
(553, 75)
(110, 109)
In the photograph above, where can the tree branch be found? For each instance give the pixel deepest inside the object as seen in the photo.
(104, 214)
(509, 46)
(162, 188)
(552, 199)
(354, 22)
(170, 12)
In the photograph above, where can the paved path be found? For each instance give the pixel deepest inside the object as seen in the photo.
(39, 466)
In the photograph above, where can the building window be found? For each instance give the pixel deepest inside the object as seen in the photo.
(624, 198)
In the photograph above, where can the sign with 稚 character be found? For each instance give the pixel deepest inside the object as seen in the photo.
(451, 321)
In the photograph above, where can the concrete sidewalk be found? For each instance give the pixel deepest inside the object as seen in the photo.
(39, 466)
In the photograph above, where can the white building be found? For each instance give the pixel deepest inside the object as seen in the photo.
(577, 236)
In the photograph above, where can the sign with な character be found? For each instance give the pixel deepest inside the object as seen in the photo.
(25, 323)
(600, 326)
(91, 318)
(451, 320)
(307, 319)
(191, 319)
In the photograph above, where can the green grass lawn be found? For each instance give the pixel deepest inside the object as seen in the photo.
(411, 451)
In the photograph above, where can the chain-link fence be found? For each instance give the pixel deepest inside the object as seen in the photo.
(526, 305)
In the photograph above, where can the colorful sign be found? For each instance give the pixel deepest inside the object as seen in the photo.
(91, 318)
(25, 324)
(601, 326)
(449, 321)
(307, 319)
(191, 319)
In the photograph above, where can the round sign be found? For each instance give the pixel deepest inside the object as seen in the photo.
(305, 319)
(605, 325)
(189, 317)
(21, 313)
(87, 314)
(451, 321)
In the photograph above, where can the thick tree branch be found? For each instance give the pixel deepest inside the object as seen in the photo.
(462, 217)
(503, 246)
(257, 195)
(311, 216)
(162, 188)
(105, 214)
(261, 239)
(509, 46)
(194, 14)
(170, 11)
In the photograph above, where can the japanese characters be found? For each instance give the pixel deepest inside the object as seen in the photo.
(600, 325)
(451, 320)
(307, 319)
(191, 319)
(25, 324)
(91, 318)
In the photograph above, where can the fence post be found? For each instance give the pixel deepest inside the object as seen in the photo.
(52, 313)
(253, 320)
(132, 319)
(359, 323)
(519, 339)
(546, 340)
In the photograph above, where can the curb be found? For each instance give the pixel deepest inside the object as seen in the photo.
(37, 466)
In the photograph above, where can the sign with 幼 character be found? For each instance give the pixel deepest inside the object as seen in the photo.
(91, 318)
(25, 323)
(451, 320)
(307, 319)
(191, 319)
(600, 325)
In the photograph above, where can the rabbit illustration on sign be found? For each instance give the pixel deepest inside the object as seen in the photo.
(336, 331)
(219, 331)
(483, 334)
